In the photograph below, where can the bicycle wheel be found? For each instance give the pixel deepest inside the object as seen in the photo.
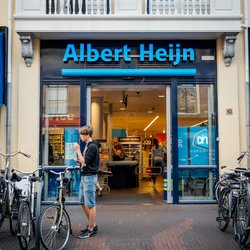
(242, 218)
(14, 209)
(24, 225)
(223, 210)
(54, 229)
(217, 190)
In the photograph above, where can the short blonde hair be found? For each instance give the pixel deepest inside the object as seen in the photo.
(86, 130)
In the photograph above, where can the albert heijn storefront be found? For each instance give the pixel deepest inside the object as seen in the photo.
(186, 70)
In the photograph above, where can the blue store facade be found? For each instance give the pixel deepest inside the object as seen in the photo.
(185, 70)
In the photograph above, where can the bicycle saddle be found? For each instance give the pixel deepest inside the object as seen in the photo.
(14, 177)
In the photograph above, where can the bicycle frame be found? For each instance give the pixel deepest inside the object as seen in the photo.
(60, 194)
(240, 190)
(6, 193)
(29, 195)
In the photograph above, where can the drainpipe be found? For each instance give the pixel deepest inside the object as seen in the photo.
(245, 26)
(9, 80)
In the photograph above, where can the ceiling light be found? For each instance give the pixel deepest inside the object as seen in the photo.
(151, 122)
(161, 96)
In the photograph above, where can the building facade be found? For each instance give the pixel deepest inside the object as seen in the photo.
(118, 64)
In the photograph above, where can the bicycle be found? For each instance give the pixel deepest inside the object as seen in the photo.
(10, 195)
(28, 210)
(242, 213)
(55, 224)
(226, 198)
(241, 205)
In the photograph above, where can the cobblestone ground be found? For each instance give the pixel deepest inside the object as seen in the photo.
(139, 227)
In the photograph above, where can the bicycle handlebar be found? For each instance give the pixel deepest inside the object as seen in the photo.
(14, 154)
(241, 170)
(239, 159)
(24, 173)
(61, 172)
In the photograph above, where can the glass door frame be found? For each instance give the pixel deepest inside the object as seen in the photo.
(169, 145)
(168, 132)
(174, 109)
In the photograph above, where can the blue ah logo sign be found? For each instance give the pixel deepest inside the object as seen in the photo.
(200, 139)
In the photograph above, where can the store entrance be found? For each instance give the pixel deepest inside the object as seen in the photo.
(126, 120)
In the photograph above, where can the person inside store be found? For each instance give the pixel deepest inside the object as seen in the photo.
(118, 153)
(51, 155)
(157, 163)
(89, 161)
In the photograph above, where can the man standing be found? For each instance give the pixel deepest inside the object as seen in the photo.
(90, 164)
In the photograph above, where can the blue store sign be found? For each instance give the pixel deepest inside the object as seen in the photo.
(193, 146)
(200, 139)
(198, 146)
(174, 53)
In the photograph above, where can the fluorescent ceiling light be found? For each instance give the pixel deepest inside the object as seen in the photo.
(161, 96)
(151, 122)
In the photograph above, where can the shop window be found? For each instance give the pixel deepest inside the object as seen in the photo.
(60, 124)
(196, 184)
(58, 100)
(196, 142)
(188, 100)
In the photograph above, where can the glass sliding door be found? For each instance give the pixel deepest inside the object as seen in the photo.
(196, 142)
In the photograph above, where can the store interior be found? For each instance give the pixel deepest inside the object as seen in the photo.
(133, 116)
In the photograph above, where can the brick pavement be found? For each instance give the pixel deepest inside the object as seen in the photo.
(145, 227)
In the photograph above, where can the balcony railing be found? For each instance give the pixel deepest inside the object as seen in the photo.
(136, 7)
(165, 18)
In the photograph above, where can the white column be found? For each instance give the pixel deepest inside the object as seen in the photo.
(97, 117)
(26, 118)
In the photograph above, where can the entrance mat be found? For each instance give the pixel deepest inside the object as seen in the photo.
(125, 199)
